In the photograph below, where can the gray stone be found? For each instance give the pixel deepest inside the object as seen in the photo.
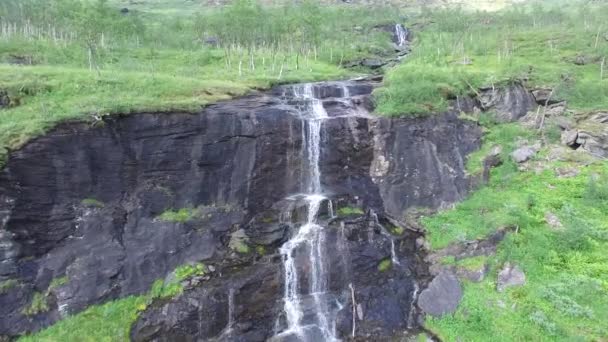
(565, 123)
(552, 220)
(510, 275)
(442, 296)
(372, 63)
(581, 60)
(542, 96)
(523, 154)
(510, 103)
(569, 137)
(5, 101)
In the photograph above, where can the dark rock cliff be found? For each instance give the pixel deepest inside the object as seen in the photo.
(83, 202)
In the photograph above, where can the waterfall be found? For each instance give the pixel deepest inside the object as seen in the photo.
(394, 257)
(401, 34)
(310, 237)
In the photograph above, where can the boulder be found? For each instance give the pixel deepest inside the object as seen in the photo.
(593, 134)
(5, 101)
(523, 154)
(581, 60)
(569, 137)
(542, 96)
(442, 296)
(552, 220)
(510, 275)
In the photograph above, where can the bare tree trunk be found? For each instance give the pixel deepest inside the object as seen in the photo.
(282, 65)
(90, 51)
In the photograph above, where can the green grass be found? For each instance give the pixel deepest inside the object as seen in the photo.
(188, 271)
(457, 51)
(8, 284)
(566, 269)
(385, 265)
(241, 247)
(57, 282)
(350, 211)
(92, 202)
(179, 216)
(108, 322)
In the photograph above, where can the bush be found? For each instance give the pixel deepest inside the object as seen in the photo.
(38, 305)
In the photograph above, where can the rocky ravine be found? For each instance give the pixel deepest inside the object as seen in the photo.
(84, 202)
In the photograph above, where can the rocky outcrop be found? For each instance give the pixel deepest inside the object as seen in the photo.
(421, 162)
(86, 202)
(5, 101)
(591, 135)
(510, 275)
(442, 296)
(509, 103)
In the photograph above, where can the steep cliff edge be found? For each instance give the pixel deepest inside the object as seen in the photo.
(88, 205)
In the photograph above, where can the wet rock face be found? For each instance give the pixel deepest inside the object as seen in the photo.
(354, 248)
(86, 202)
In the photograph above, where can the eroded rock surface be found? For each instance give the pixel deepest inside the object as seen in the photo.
(86, 203)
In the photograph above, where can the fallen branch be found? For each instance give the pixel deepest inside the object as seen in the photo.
(352, 293)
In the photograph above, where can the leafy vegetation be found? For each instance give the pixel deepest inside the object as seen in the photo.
(564, 298)
(188, 271)
(558, 45)
(38, 305)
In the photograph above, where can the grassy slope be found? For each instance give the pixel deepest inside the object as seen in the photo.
(565, 298)
(168, 68)
(566, 269)
(456, 51)
(174, 80)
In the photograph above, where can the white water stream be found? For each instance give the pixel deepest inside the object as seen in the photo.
(310, 237)
(401, 33)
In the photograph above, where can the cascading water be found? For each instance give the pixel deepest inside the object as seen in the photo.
(309, 238)
(401, 33)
